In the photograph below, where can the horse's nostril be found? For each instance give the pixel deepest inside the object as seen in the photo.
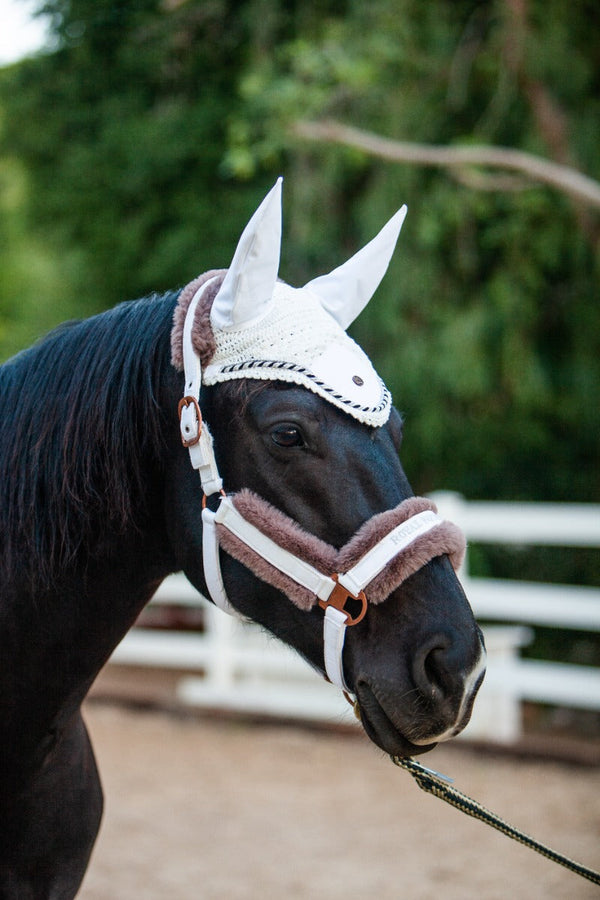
(434, 665)
(431, 671)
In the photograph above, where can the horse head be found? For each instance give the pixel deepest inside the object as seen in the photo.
(319, 537)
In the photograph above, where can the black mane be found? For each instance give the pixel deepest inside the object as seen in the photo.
(78, 422)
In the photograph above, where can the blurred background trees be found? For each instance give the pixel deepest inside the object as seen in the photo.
(132, 153)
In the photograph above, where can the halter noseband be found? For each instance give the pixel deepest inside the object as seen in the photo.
(380, 556)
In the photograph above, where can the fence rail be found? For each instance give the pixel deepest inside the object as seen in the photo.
(569, 607)
(233, 665)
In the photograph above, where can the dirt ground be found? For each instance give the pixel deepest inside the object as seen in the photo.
(223, 809)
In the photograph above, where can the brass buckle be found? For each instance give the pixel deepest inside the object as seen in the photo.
(338, 599)
(184, 403)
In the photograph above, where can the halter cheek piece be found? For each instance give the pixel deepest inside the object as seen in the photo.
(379, 557)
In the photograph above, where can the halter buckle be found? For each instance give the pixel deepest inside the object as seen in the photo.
(187, 427)
(340, 596)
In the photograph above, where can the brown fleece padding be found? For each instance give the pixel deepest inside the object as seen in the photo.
(202, 334)
(444, 538)
(289, 535)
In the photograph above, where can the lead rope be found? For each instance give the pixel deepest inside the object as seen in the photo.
(438, 785)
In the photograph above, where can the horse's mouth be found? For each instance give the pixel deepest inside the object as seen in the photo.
(380, 728)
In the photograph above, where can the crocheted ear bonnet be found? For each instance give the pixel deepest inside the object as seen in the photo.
(248, 324)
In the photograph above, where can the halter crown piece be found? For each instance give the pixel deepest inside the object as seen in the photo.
(245, 323)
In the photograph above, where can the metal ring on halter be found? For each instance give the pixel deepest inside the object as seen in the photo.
(338, 599)
(205, 498)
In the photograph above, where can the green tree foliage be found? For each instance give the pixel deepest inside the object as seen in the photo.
(145, 139)
(487, 328)
(121, 132)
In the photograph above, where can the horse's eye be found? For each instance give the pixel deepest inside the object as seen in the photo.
(287, 436)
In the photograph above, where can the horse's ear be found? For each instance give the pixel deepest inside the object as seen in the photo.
(345, 291)
(248, 286)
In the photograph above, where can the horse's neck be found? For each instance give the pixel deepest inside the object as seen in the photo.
(57, 641)
(73, 580)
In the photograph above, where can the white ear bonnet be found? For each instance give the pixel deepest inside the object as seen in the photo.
(265, 329)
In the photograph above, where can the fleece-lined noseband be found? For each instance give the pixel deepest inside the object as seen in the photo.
(386, 550)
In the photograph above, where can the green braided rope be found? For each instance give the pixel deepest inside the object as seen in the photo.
(434, 783)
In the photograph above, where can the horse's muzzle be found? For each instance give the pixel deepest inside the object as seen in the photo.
(433, 706)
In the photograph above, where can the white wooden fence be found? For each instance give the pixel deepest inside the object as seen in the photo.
(233, 665)
(511, 679)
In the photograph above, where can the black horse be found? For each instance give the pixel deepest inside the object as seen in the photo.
(99, 503)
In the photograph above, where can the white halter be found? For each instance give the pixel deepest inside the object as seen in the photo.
(234, 320)
(331, 591)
